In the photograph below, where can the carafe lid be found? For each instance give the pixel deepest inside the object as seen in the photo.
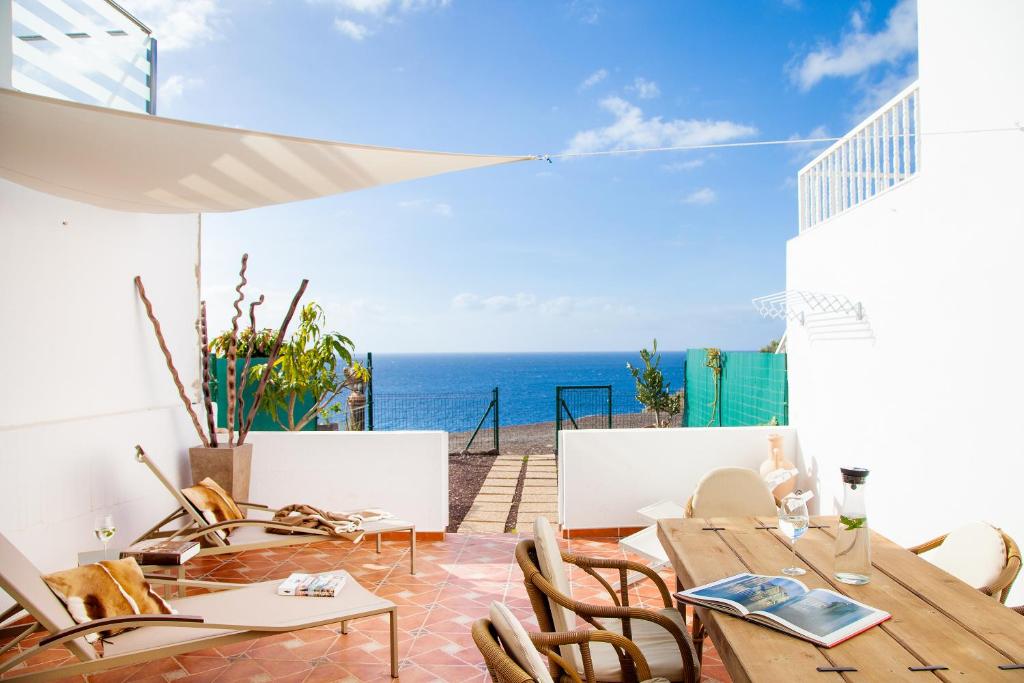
(854, 475)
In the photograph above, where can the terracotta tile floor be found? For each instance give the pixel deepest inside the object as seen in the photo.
(456, 581)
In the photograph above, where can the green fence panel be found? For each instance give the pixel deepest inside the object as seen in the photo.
(263, 421)
(753, 390)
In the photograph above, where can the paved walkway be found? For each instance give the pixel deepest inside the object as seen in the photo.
(517, 489)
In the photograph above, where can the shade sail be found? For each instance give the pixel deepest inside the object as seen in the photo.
(136, 162)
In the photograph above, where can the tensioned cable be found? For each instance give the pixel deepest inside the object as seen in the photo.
(764, 143)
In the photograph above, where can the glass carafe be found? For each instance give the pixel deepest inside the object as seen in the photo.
(853, 547)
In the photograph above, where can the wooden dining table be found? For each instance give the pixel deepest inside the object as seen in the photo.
(941, 628)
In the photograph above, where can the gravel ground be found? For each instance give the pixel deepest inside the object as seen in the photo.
(539, 437)
(466, 474)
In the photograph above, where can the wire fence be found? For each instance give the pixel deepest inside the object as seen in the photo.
(471, 419)
(751, 389)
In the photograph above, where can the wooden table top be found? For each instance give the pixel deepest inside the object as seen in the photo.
(937, 620)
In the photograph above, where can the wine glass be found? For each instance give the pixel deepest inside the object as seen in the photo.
(793, 521)
(104, 529)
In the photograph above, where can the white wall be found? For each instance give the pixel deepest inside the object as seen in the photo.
(83, 379)
(606, 475)
(406, 473)
(932, 401)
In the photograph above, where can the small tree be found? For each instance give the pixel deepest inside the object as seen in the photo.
(308, 365)
(652, 390)
(770, 347)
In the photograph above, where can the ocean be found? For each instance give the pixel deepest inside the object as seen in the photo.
(416, 391)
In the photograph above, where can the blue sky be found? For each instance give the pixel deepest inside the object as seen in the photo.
(577, 255)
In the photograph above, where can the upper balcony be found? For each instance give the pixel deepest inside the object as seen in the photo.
(879, 154)
(89, 51)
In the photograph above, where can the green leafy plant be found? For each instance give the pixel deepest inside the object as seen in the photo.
(851, 523)
(770, 347)
(311, 363)
(261, 341)
(713, 360)
(652, 391)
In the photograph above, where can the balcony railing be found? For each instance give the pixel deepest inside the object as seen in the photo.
(879, 154)
(89, 51)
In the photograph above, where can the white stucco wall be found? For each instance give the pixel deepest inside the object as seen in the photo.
(606, 475)
(82, 376)
(932, 402)
(406, 473)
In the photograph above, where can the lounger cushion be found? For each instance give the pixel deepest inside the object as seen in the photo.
(975, 553)
(213, 503)
(112, 588)
(518, 644)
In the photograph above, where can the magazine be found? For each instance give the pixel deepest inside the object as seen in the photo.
(821, 616)
(162, 551)
(326, 585)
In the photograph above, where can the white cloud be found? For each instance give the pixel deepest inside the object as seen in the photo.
(498, 303)
(365, 6)
(804, 153)
(859, 50)
(555, 307)
(174, 87)
(703, 196)
(178, 24)
(351, 29)
(585, 11)
(631, 130)
(593, 79)
(876, 93)
(644, 89)
(428, 205)
(688, 165)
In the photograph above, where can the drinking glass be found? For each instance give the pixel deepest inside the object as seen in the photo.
(104, 529)
(793, 521)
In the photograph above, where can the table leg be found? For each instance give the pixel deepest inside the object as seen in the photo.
(394, 642)
(412, 551)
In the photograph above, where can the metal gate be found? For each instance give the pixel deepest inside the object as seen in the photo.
(582, 407)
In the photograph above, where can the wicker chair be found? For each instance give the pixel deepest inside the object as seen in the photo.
(663, 632)
(998, 587)
(1019, 610)
(504, 668)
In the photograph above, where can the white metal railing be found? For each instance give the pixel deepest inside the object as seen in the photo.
(879, 154)
(89, 51)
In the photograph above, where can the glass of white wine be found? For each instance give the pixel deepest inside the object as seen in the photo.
(104, 529)
(793, 521)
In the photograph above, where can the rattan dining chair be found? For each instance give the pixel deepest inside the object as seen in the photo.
(514, 656)
(660, 634)
(1019, 610)
(979, 554)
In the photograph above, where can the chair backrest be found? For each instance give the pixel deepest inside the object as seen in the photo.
(195, 515)
(20, 579)
(549, 558)
(975, 553)
(517, 643)
(732, 492)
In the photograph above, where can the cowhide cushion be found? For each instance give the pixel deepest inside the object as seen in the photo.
(112, 588)
(213, 503)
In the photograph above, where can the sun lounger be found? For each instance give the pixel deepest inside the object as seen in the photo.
(236, 612)
(251, 533)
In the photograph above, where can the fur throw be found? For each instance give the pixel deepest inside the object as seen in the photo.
(111, 588)
(342, 524)
(213, 503)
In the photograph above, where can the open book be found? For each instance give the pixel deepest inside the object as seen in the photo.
(823, 617)
(326, 585)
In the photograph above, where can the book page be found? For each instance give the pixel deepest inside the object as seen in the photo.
(748, 592)
(824, 616)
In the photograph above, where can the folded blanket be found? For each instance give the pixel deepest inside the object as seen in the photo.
(303, 518)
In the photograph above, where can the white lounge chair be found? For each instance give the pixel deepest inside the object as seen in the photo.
(251, 533)
(237, 612)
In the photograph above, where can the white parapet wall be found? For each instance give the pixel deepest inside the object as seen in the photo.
(606, 475)
(406, 473)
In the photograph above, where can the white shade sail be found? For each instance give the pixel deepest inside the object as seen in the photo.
(147, 164)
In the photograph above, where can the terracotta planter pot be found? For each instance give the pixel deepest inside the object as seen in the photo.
(229, 466)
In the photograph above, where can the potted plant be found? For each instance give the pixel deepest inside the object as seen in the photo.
(652, 391)
(228, 462)
(313, 369)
